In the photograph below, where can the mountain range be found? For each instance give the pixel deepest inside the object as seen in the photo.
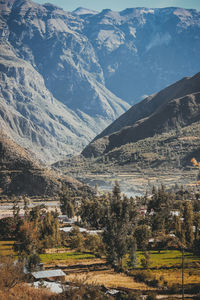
(64, 76)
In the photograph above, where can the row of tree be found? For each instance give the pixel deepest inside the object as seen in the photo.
(172, 219)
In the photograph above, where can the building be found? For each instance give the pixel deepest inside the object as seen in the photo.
(57, 275)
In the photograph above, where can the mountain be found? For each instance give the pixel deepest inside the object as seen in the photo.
(84, 11)
(174, 108)
(52, 98)
(143, 50)
(63, 75)
(21, 175)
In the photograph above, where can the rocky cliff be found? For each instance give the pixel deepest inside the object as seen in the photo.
(53, 99)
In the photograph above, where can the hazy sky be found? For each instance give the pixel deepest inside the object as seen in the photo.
(118, 5)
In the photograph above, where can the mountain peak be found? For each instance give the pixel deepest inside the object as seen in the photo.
(84, 11)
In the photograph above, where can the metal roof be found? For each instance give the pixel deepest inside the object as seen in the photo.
(48, 274)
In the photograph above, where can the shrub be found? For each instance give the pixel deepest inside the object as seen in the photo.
(142, 276)
(151, 296)
(174, 288)
(147, 278)
(154, 282)
(197, 297)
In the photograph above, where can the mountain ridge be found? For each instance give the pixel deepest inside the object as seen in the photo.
(21, 175)
(173, 110)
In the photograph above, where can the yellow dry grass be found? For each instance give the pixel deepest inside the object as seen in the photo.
(109, 279)
(25, 292)
(191, 276)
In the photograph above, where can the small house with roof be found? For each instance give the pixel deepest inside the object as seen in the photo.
(52, 275)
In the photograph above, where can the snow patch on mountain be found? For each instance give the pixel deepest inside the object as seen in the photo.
(133, 31)
(159, 40)
(110, 39)
(84, 11)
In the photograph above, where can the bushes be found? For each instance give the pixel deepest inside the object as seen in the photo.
(146, 277)
(83, 292)
(151, 296)
(11, 273)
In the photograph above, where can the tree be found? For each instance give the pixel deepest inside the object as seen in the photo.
(16, 208)
(26, 209)
(94, 243)
(49, 231)
(33, 262)
(36, 213)
(7, 228)
(76, 239)
(179, 229)
(197, 225)
(118, 229)
(27, 239)
(93, 211)
(142, 235)
(145, 261)
(10, 273)
(161, 203)
(188, 223)
(132, 262)
(66, 204)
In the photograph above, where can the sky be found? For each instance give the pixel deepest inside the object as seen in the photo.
(118, 5)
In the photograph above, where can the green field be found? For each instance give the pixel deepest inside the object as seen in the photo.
(47, 258)
(168, 258)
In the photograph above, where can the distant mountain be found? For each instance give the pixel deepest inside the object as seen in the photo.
(21, 175)
(84, 11)
(63, 75)
(142, 50)
(52, 97)
(175, 107)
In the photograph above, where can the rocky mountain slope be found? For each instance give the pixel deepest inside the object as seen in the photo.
(63, 75)
(143, 50)
(175, 107)
(21, 175)
(45, 68)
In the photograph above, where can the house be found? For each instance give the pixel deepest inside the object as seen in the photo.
(175, 213)
(58, 275)
(65, 220)
(82, 230)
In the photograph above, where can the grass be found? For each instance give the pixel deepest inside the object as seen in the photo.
(173, 259)
(6, 248)
(68, 256)
(108, 278)
(168, 258)
(191, 276)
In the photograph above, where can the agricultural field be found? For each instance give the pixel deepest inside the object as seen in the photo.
(109, 279)
(65, 257)
(164, 266)
(6, 248)
(174, 276)
(168, 258)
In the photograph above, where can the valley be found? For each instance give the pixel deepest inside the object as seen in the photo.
(99, 153)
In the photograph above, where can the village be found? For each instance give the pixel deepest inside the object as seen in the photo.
(64, 251)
